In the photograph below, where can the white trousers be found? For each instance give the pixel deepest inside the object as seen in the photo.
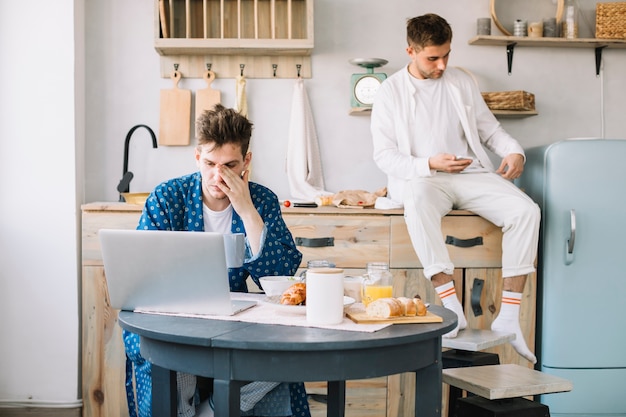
(428, 199)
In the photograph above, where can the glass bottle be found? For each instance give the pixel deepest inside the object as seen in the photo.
(569, 25)
(377, 282)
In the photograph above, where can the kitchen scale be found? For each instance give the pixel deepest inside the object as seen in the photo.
(365, 85)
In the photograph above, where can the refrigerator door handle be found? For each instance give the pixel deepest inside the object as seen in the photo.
(572, 238)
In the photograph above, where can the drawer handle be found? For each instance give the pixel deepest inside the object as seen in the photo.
(315, 242)
(464, 243)
(477, 289)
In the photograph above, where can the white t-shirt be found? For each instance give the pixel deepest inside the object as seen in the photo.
(440, 129)
(217, 221)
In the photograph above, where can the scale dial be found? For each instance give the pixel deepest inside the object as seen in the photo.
(365, 89)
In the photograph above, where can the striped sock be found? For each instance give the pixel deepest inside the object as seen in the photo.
(448, 297)
(508, 322)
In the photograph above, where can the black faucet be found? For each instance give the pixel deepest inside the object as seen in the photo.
(127, 176)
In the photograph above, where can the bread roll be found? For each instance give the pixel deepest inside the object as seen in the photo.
(384, 308)
(409, 307)
(420, 306)
(294, 295)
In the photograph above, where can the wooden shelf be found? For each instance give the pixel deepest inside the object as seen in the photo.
(491, 40)
(514, 114)
(510, 42)
(365, 111)
(273, 47)
(269, 38)
(360, 111)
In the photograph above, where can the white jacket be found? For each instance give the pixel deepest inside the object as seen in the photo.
(394, 127)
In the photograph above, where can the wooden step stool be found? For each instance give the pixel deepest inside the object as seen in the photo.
(465, 350)
(502, 388)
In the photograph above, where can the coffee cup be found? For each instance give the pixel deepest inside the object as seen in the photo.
(235, 248)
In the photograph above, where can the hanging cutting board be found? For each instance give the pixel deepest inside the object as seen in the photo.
(175, 117)
(207, 98)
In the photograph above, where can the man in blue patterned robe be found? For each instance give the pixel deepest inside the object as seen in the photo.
(220, 198)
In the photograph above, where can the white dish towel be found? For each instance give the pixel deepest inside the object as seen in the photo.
(303, 165)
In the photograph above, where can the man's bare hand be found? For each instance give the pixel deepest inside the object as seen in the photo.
(235, 186)
(512, 166)
(446, 162)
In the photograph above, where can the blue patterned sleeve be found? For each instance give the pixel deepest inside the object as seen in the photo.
(174, 205)
(278, 255)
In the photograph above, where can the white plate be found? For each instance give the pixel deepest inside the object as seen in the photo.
(274, 301)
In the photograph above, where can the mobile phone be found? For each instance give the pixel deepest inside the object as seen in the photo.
(461, 157)
(312, 205)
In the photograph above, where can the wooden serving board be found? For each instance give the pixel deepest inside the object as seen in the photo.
(361, 317)
(207, 98)
(175, 117)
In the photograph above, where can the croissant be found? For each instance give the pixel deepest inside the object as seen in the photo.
(294, 295)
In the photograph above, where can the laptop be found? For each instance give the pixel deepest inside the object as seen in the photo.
(168, 272)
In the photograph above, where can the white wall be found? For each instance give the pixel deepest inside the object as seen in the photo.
(41, 128)
(39, 341)
(124, 90)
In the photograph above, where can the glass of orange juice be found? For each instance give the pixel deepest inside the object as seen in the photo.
(377, 282)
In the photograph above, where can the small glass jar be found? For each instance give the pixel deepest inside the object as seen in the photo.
(569, 25)
(315, 263)
(377, 282)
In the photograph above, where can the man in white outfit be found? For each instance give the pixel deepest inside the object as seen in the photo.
(430, 127)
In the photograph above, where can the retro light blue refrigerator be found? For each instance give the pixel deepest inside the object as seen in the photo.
(580, 185)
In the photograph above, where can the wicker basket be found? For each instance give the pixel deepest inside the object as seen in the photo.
(611, 20)
(510, 100)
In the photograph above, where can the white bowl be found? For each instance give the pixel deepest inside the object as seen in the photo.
(276, 285)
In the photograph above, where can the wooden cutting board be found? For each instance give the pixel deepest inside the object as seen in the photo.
(360, 316)
(175, 117)
(207, 98)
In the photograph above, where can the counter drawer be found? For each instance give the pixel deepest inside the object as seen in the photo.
(355, 239)
(486, 254)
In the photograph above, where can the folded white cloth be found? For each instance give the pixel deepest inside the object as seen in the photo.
(385, 203)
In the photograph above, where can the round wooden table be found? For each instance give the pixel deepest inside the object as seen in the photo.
(235, 353)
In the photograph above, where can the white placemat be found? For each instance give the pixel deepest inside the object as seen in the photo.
(266, 313)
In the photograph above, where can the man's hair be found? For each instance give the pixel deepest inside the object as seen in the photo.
(428, 30)
(221, 126)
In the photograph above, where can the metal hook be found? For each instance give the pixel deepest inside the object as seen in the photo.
(175, 67)
(241, 67)
(298, 66)
(208, 66)
(274, 67)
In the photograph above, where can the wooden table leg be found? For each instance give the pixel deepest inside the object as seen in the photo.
(226, 398)
(336, 405)
(428, 390)
(163, 392)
